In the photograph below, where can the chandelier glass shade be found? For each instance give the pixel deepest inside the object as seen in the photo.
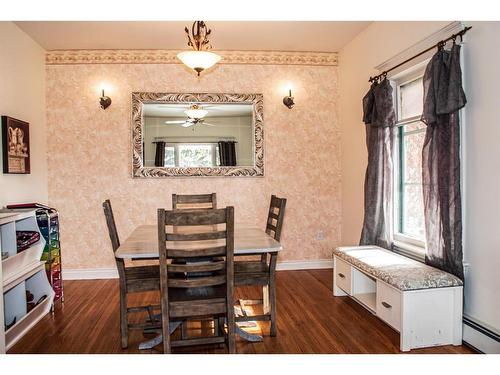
(200, 58)
(196, 112)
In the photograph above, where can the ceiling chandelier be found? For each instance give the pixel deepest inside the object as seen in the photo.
(200, 58)
(196, 112)
(195, 115)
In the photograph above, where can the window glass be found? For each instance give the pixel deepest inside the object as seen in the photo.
(409, 226)
(169, 156)
(412, 203)
(411, 98)
(196, 155)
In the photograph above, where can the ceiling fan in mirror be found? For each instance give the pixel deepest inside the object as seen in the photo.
(195, 116)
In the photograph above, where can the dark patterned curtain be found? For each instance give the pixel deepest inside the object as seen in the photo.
(379, 117)
(443, 97)
(227, 153)
(160, 154)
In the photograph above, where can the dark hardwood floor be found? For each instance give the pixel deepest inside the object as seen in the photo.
(310, 320)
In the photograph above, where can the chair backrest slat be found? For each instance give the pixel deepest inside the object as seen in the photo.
(196, 236)
(275, 217)
(197, 253)
(180, 241)
(197, 267)
(197, 282)
(195, 217)
(195, 201)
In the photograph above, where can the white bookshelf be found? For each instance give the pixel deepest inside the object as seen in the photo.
(19, 272)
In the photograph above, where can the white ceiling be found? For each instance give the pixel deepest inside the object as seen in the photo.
(318, 36)
(214, 110)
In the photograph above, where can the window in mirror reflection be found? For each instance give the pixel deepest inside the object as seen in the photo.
(224, 137)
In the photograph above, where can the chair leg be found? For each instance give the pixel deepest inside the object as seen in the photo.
(266, 304)
(231, 327)
(123, 318)
(184, 331)
(166, 336)
(231, 340)
(220, 325)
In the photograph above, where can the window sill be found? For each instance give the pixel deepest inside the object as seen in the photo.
(411, 251)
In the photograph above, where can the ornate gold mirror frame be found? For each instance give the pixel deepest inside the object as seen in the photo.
(141, 98)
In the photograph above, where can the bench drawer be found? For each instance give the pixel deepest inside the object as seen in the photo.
(343, 275)
(389, 305)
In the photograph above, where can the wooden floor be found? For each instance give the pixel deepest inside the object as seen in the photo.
(310, 320)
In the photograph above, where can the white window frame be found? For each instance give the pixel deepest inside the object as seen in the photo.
(404, 244)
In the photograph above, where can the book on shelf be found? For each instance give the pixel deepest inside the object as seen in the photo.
(28, 205)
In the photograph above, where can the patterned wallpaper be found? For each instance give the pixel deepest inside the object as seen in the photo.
(90, 156)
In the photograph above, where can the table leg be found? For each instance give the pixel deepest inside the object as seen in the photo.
(150, 344)
(247, 336)
(272, 292)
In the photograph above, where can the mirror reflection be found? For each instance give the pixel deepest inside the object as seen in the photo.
(198, 134)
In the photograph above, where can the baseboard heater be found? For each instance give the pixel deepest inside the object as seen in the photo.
(480, 338)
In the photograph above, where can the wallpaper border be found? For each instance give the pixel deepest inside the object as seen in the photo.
(65, 57)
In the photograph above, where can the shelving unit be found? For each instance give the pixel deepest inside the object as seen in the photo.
(48, 222)
(21, 272)
(364, 289)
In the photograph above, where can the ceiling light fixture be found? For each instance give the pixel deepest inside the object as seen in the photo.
(200, 58)
(196, 112)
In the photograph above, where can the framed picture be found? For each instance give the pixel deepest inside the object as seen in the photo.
(15, 146)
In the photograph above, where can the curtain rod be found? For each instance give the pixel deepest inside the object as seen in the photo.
(439, 45)
(195, 142)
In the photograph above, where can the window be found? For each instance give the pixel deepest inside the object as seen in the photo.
(408, 228)
(169, 156)
(192, 155)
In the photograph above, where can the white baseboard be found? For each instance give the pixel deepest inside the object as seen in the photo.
(112, 273)
(90, 274)
(294, 265)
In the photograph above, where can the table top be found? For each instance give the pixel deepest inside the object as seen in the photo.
(143, 241)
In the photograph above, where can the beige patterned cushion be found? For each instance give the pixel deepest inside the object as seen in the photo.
(401, 272)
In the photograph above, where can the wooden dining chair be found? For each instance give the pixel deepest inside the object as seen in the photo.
(194, 201)
(202, 288)
(262, 272)
(132, 280)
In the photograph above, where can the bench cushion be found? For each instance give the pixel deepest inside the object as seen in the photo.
(401, 272)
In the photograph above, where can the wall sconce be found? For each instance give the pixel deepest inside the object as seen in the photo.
(288, 100)
(104, 101)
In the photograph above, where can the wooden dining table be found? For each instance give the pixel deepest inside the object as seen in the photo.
(142, 243)
(248, 240)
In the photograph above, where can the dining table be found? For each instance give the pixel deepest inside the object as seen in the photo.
(142, 243)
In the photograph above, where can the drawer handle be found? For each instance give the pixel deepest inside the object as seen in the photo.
(341, 275)
(386, 305)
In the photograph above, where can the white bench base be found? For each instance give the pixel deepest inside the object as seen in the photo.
(424, 317)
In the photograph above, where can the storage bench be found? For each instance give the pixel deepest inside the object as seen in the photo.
(422, 303)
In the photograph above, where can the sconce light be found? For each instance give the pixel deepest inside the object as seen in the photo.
(288, 100)
(104, 101)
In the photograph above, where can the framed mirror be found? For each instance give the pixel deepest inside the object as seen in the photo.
(181, 135)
